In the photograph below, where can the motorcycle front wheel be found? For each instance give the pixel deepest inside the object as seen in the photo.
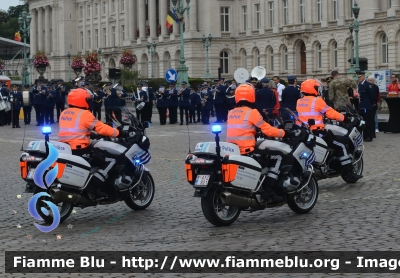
(65, 209)
(358, 169)
(141, 196)
(305, 200)
(215, 211)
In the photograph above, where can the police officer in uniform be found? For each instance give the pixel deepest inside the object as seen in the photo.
(290, 94)
(148, 108)
(366, 106)
(173, 103)
(195, 102)
(15, 99)
(27, 108)
(206, 107)
(198, 108)
(265, 98)
(37, 102)
(97, 102)
(2, 112)
(219, 101)
(162, 104)
(59, 99)
(231, 93)
(6, 93)
(50, 103)
(184, 102)
(136, 100)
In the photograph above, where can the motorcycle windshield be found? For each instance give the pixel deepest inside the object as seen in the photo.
(281, 117)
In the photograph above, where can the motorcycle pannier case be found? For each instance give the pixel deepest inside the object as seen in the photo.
(75, 170)
(241, 171)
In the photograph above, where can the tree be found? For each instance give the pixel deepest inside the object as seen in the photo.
(9, 21)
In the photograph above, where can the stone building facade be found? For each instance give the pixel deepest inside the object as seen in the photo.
(307, 38)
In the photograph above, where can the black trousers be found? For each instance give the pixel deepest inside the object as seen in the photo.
(97, 112)
(49, 115)
(192, 116)
(147, 112)
(150, 115)
(2, 117)
(369, 118)
(8, 117)
(162, 111)
(198, 113)
(205, 115)
(221, 112)
(109, 113)
(173, 114)
(186, 110)
(139, 114)
(15, 117)
(37, 112)
(60, 106)
(42, 111)
(27, 114)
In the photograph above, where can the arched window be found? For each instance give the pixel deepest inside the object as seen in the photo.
(285, 60)
(257, 58)
(319, 56)
(224, 62)
(335, 55)
(384, 49)
(243, 58)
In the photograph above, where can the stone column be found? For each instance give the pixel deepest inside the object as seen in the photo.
(33, 31)
(142, 20)
(325, 14)
(152, 18)
(47, 29)
(277, 16)
(373, 9)
(342, 12)
(54, 27)
(395, 6)
(309, 11)
(130, 15)
(40, 37)
(249, 17)
(193, 16)
(117, 25)
(262, 18)
(163, 14)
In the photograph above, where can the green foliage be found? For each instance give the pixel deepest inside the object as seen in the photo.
(9, 21)
(194, 82)
(129, 76)
(130, 88)
(68, 86)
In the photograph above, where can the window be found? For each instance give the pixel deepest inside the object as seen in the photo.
(319, 10)
(89, 40)
(258, 16)
(224, 19)
(244, 11)
(335, 55)
(104, 37)
(351, 2)
(104, 7)
(302, 11)
(122, 5)
(389, 4)
(123, 32)
(335, 9)
(271, 59)
(96, 37)
(384, 47)
(224, 62)
(244, 59)
(285, 12)
(319, 56)
(82, 40)
(96, 9)
(257, 58)
(113, 6)
(271, 14)
(88, 10)
(81, 11)
(113, 35)
(285, 59)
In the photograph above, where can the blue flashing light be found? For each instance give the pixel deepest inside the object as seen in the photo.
(137, 161)
(46, 130)
(304, 155)
(216, 128)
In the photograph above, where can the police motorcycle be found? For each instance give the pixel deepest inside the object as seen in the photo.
(228, 182)
(327, 164)
(94, 178)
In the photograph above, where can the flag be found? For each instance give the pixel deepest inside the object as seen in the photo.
(17, 37)
(170, 19)
(178, 17)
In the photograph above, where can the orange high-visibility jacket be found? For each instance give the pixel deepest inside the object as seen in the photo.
(310, 107)
(75, 127)
(241, 128)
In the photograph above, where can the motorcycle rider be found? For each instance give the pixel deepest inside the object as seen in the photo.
(313, 107)
(76, 123)
(241, 130)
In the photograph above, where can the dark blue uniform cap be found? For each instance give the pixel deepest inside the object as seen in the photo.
(291, 77)
(26, 86)
(172, 83)
(265, 80)
(216, 80)
(184, 83)
(140, 85)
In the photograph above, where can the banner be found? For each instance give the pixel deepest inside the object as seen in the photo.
(382, 78)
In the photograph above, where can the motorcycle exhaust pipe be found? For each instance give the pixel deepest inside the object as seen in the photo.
(59, 195)
(230, 199)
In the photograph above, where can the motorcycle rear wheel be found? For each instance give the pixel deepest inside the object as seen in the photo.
(65, 209)
(215, 211)
(305, 200)
(358, 169)
(141, 196)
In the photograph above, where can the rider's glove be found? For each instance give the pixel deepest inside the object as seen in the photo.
(123, 134)
(289, 134)
(348, 120)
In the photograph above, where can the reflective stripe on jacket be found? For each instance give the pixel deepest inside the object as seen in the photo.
(75, 127)
(310, 107)
(241, 128)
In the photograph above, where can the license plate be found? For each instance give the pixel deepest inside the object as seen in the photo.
(202, 180)
(31, 173)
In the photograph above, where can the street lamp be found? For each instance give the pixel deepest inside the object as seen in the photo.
(24, 21)
(30, 61)
(351, 70)
(207, 44)
(69, 66)
(356, 11)
(182, 70)
(152, 51)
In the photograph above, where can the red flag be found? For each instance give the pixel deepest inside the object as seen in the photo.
(17, 37)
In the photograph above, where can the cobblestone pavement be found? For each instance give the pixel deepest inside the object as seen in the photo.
(363, 216)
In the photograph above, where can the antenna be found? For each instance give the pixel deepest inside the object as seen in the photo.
(23, 139)
(187, 125)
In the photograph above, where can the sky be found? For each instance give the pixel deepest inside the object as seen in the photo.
(5, 4)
